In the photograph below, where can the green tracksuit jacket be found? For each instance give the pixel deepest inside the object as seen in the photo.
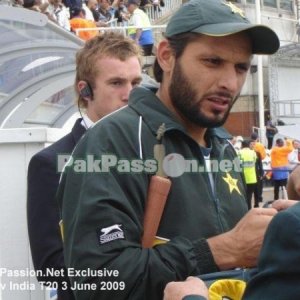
(103, 210)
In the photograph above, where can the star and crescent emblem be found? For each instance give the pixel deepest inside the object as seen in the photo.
(235, 9)
(232, 183)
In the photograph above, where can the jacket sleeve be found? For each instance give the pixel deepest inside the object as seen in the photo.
(95, 202)
(43, 217)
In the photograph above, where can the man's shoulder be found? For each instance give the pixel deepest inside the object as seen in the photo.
(48, 155)
(64, 145)
(124, 116)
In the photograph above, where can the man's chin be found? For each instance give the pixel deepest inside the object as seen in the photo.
(212, 122)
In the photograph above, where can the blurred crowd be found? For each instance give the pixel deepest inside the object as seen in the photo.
(263, 166)
(88, 13)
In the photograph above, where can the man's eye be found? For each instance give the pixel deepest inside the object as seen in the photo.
(116, 83)
(136, 83)
(242, 68)
(213, 61)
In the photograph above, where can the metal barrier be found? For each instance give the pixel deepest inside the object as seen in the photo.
(287, 108)
(112, 23)
(157, 12)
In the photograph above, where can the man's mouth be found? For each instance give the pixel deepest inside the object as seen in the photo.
(219, 103)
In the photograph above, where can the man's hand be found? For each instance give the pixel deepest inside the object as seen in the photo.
(240, 246)
(283, 204)
(192, 286)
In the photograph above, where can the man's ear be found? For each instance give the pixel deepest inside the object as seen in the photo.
(165, 56)
(80, 85)
(85, 90)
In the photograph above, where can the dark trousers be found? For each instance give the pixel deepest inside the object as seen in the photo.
(270, 142)
(258, 193)
(147, 49)
(250, 191)
(277, 184)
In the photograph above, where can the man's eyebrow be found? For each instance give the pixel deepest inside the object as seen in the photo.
(119, 78)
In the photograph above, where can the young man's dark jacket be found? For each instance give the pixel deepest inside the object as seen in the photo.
(93, 201)
(43, 212)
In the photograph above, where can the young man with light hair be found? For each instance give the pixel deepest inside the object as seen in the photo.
(107, 68)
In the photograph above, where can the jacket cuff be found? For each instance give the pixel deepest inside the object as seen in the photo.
(204, 257)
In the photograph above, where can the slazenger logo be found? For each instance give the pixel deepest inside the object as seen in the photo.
(111, 233)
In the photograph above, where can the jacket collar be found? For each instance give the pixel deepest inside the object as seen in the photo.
(78, 130)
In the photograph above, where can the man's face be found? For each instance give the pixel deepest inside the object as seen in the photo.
(131, 7)
(104, 4)
(207, 79)
(251, 145)
(296, 144)
(280, 143)
(92, 4)
(113, 84)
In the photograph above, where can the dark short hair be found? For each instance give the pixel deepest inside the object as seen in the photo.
(246, 143)
(28, 3)
(279, 142)
(75, 11)
(254, 136)
(136, 2)
(178, 44)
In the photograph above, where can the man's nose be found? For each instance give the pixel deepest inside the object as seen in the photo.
(229, 80)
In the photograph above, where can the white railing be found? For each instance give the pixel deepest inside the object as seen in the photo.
(157, 12)
(112, 23)
(287, 108)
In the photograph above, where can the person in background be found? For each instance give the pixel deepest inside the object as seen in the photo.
(90, 7)
(107, 68)
(59, 13)
(78, 21)
(248, 158)
(143, 4)
(279, 164)
(38, 6)
(258, 146)
(294, 156)
(237, 142)
(142, 34)
(201, 65)
(260, 150)
(105, 11)
(271, 130)
(121, 13)
(72, 3)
